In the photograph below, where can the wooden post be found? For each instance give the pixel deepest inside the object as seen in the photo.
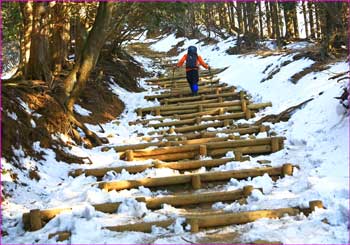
(263, 128)
(158, 112)
(35, 220)
(220, 100)
(247, 190)
(196, 182)
(165, 101)
(238, 156)
(221, 111)
(244, 105)
(194, 225)
(248, 114)
(171, 130)
(198, 120)
(202, 150)
(226, 123)
(129, 155)
(315, 204)
(200, 108)
(274, 144)
(139, 112)
(287, 169)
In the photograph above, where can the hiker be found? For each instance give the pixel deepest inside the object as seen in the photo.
(192, 65)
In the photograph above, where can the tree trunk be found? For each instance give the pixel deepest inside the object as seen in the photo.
(239, 17)
(295, 21)
(311, 20)
(39, 61)
(245, 17)
(78, 77)
(288, 19)
(60, 37)
(25, 42)
(275, 22)
(305, 19)
(261, 21)
(268, 20)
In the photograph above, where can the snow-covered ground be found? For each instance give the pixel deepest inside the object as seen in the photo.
(317, 141)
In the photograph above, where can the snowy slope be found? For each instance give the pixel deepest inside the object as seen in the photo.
(317, 140)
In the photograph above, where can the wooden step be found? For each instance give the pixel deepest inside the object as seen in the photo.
(229, 95)
(205, 134)
(213, 149)
(44, 216)
(211, 220)
(202, 91)
(286, 169)
(179, 165)
(201, 73)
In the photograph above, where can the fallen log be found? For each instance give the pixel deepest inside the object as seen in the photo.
(187, 178)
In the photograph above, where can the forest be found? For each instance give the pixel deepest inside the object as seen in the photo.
(83, 81)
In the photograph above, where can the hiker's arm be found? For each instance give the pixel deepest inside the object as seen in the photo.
(201, 61)
(182, 61)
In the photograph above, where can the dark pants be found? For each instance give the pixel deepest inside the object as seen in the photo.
(192, 79)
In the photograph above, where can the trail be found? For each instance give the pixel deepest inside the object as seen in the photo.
(192, 136)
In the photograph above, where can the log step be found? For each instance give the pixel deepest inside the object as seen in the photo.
(151, 202)
(286, 169)
(179, 165)
(202, 91)
(213, 149)
(201, 73)
(215, 220)
(198, 120)
(229, 95)
(206, 134)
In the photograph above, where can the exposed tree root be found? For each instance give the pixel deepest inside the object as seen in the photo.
(283, 116)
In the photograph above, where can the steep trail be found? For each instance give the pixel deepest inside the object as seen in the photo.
(192, 135)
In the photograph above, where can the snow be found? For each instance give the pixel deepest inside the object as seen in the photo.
(81, 111)
(164, 44)
(316, 140)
